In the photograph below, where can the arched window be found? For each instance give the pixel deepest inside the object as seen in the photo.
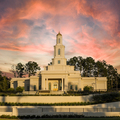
(58, 51)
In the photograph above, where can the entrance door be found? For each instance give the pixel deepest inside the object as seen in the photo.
(55, 86)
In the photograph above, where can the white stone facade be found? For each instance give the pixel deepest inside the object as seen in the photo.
(59, 76)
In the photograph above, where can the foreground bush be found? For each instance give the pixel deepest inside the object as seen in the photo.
(19, 89)
(43, 116)
(45, 104)
(11, 90)
(108, 97)
(53, 116)
(88, 88)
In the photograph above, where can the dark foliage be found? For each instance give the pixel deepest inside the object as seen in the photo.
(89, 68)
(109, 97)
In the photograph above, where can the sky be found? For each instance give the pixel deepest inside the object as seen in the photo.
(28, 28)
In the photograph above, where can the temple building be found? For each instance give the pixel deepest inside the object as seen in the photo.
(59, 76)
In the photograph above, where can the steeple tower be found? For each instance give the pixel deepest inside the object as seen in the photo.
(59, 51)
(59, 38)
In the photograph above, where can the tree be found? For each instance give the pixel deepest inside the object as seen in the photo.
(4, 84)
(118, 80)
(73, 62)
(20, 69)
(31, 68)
(89, 65)
(98, 69)
(1, 73)
(50, 63)
(112, 77)
(89, 68)
(1, 77)
(80, 62)
(13, 70)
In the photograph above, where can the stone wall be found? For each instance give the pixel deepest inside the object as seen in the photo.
(107, 109)
(45, 99)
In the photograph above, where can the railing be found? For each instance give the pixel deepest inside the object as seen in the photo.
(48, 110)
(38, 111)
(80, 109)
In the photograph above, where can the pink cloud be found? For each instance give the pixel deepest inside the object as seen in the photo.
(100, 12)
(113, 43)
(64, 17)
(86, 44)
(27, 48)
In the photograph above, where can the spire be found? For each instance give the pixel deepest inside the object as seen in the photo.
(59, 34)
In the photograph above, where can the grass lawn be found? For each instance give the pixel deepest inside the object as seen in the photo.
(66, 119)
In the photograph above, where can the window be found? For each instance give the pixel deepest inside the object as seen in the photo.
(28, 88)
(71, 87)
(76, 88)
(58, 61)
(34, 87)
(39, 87)
(49, 86)
(58, 51)
(59, 40)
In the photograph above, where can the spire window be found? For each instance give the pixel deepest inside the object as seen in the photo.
(58, 51)
(59, 40)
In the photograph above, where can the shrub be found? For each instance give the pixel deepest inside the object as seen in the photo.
(19, 89)
(3, 94)
(11, 90)
(108, 97)
(88, 88)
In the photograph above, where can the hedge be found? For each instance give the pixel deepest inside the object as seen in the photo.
(43, 116)
(45, 104)
(68, 93)
(53, 116)
(109, 97)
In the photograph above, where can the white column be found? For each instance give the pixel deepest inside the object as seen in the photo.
(43, 83)
(79, 84)
(62, 84)
(47, 84)
(66, 83)
(11, 84)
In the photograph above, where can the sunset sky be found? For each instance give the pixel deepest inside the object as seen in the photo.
(28, 28)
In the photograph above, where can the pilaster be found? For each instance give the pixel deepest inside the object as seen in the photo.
(62, 84)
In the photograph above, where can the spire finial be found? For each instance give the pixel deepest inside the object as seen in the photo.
(59, 33)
